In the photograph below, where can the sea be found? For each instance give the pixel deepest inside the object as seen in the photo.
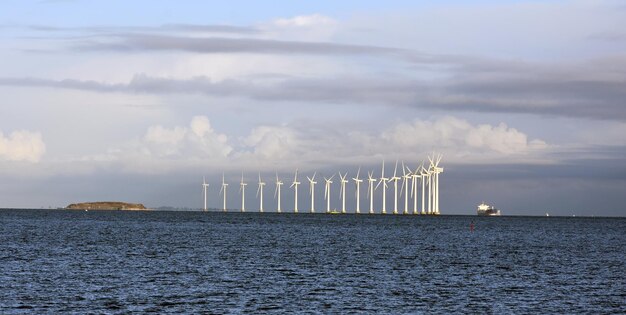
(120, 262)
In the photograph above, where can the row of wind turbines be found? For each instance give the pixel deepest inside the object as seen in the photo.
(426, 178)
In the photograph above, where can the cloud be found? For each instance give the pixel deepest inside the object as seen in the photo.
(592, 90)
(462, 139)
(459, 139)
(305, 21)
(315, 145)
(273, 142)
(165, 28)
(460, 135)
(198, 140)
(314, 27)
(22, 145)
(212, 45)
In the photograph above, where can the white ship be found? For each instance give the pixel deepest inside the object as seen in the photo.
(485, 209)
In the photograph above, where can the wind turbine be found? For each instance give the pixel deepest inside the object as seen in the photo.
(430, 185)
(295, 189)
(383, 180)
(205, 187)
(260, 190)
(223, 189)
(327, 191)
(395, 189)
(342, 191)
(358, 182)
(425, 175)
(277, 191)
(436, 171)
(242, 191)
(370, 190)
(312, 183)
(405, 187)
(414, 186)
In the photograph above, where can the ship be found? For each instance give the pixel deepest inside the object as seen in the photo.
(485, 209)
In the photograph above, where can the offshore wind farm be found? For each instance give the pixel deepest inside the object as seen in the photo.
(313, 157)
(419, 189)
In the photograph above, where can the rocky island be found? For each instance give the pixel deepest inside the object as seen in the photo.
(106, 205)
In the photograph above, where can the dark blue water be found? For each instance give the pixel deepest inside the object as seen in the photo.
(186, 262)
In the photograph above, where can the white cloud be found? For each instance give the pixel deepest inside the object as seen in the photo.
(22, 145)
(288, 146)
(199, 140)
(461, 136)
(313, 27)
(305, 21)
(166, 140)
(272, 141)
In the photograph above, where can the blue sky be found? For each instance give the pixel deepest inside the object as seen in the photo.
(525, 99)
(140, 13)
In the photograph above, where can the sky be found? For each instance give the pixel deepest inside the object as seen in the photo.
(137, 101)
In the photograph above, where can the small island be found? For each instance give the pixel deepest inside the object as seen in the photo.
(106, 205)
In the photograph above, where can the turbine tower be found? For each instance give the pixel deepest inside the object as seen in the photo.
(430, 186)
(260, 190)
(279, 183)
(357, 183)
(414, 186)
(242, 191)
(295, 189)
(223, 189)
(312, 183)
(395, 180)
(436, 170)
(342, 191)
(327, 192)
(370, 190)
(383, 180)
(424, 175)
(405, 187)
(205, 187)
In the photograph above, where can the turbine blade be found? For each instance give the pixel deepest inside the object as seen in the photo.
(313, 178)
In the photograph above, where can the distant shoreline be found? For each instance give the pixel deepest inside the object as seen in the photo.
(107, 205)
(237, 211)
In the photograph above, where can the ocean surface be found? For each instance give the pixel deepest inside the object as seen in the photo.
(55, 261)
